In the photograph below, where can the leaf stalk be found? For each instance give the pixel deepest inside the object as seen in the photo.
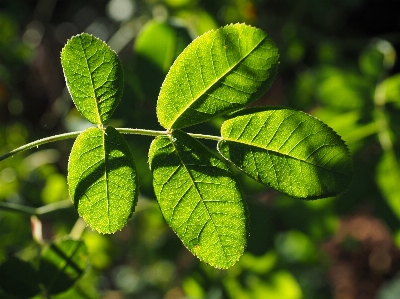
(70, 135)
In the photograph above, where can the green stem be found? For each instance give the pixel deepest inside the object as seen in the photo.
(160, 133)
(40, 142)
(75, 134)
(141, 132)
(8, 206)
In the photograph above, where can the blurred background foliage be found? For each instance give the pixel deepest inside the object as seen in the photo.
(338, 62)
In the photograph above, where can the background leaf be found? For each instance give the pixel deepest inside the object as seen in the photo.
(94, 77)
(199, 198)
(388, 178)
(219, 72)
(19, 278)
(156, 47)
(62, 263)
(288, 150)
(102, 179)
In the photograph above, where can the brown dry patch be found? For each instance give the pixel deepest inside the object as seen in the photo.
(363, 257)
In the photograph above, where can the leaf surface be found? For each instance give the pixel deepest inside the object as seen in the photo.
(288, 150)
(94, 77)
(199, 198)
(220, 71)
(61, 264)
(102, 179)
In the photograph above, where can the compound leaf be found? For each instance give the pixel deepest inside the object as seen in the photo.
(220, 71)
(288, 150)
(199, 198)
(61, 264)
(102, 179)
(94, 77)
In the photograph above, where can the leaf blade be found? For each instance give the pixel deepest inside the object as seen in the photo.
(94, 77)
(288, 150)
(61, 265)
(219, 72)
(102, 179)
(199, 198)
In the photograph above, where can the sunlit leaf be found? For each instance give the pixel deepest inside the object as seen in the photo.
(94, 77)
(19, 278)
(220, 71)
(288, 150)
(199, 198)
(61, 264)
(102, 179)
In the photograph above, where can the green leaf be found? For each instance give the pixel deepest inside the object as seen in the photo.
(288, 150)
(156, 48)
(390, 89)
(343, 90)
(19, 278)
(199, 198)
(94, 77)
(388, 178)
(219, 72)
(61, 264)
(102, 179)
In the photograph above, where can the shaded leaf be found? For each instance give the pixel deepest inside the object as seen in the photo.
(156, 47)
(94, 77)
(220, 71)
(102, 179)
(288, 150)
(19, 278)
(61, 264)
(199, 198)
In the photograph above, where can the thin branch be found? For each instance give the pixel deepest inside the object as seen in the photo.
(8, 206)
(39, 142)
(141, 132)
(160, 133)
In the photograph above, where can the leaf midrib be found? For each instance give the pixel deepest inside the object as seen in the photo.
(283, 154)
(106, 180)
(91, 81)
(214, 82)
(201, 198)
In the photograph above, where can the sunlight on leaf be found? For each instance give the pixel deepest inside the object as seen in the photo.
(94, 77)
(220, 71)
(288, 150)
(199, 198)
(102, 179)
